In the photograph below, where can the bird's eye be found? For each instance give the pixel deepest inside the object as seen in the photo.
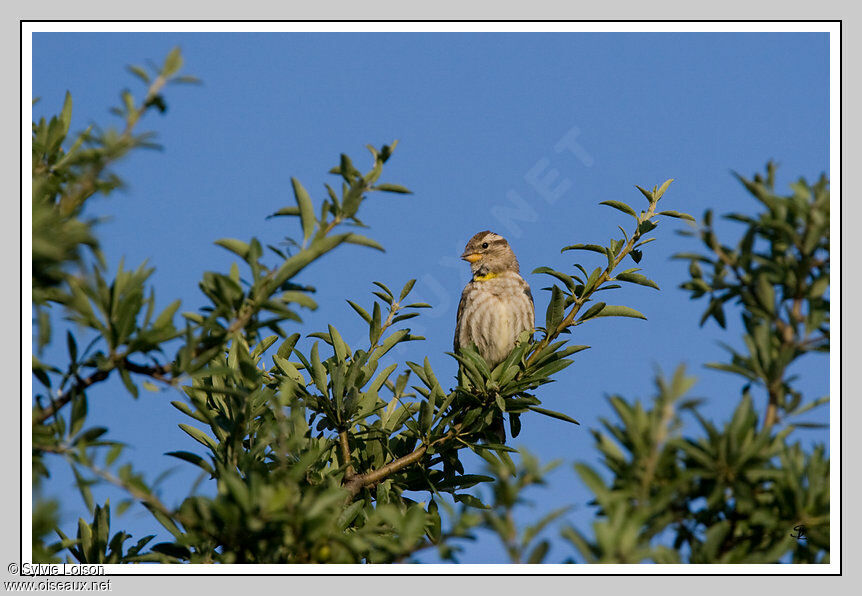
(484, 245)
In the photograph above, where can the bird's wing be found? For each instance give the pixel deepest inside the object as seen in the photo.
(532, 303)
(455, 343)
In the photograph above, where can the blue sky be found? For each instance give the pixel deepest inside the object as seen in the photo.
(523, 134)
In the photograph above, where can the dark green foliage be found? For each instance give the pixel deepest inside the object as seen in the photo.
(778, 272)
(737, 492)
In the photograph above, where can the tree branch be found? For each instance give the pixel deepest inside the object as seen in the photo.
(349, 472)
(357, 483)
(159, 373)
(65, 397)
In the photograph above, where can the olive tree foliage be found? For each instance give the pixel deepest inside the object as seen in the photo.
(741, 491)
(331, 453)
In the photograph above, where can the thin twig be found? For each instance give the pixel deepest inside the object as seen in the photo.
(159, 373)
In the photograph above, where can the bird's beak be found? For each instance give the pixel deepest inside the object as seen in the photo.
(471, 257)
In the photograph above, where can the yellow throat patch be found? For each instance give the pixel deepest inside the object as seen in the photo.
(485, 277)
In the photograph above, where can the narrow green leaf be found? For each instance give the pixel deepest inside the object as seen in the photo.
(284, 211)
(663, 188)
(173, 62)
(375, 329)
(610, 255)
(471, 501)
(383, 287)
(306, 209)
(591, 281)
(364, 241)
(620, 206)
(637, 278)
(556, 308)
(611, 310)
(200, 436)
(593, 311)
(235, 246)
(553, 414)
(650, 197)
(677, 215)
(566, 279)
(66, 113)
(139, 72)
(318, 372)
(539, 553)
(406, 290)
(342, 350)
(592, 247)
(393, 188)
(192, 458)
(360, 311)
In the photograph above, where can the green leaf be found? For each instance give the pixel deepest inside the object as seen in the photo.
(342, 350)
(556, 309)
(677, 215)
(646, 226)
(286, 347)
(663, 188)
(288, 369)
(364, 241)
(139, 72)
(318, 373)
(200, 436)
(471, 501)
(637, 278)
(85, 536)
(306, 209)
(611, 310)
(375, 329)
(765, 293)
(539, 553)
(292, 211)
(78, 415)
(167, 522)
(192, 458)
(566, 279)
(173, 63)
(383, 287)
(66, 113)
(166, 317)
(72, 346)
(235, 246)
(406, 290)
(646, 193)
(592, 247)
(591, 478)
(553, 414)
(360, 311)
(610, 255)
(620, 206)
(84, 488)
(186, 79)
(464, 481)
(393, 188)
(426, 414)
(593, 278)
(127, 382)
(593, 311)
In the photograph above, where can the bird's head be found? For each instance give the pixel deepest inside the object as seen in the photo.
(489, 254)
